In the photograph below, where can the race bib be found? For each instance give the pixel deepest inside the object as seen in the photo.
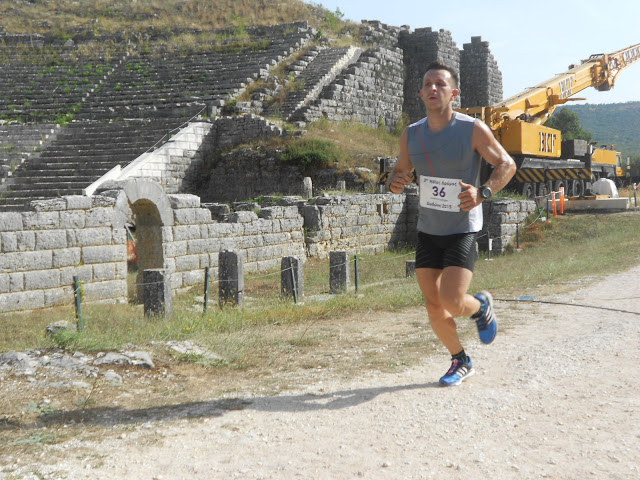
(440, 193)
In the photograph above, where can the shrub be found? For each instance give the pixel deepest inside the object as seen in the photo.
(311, 155)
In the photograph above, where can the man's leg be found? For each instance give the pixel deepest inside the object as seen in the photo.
(446, 297)
(445, 293)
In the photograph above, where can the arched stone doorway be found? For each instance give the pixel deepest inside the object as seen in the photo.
(146, 205)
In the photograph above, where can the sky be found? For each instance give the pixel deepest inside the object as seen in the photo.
(532, 42)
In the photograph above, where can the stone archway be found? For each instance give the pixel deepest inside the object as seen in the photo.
(148, 206)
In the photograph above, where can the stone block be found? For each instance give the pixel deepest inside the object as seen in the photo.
(26, 261)
(16, 282)
(178, 201)
(66, 257)
(54, 204)
(41, 220)
(99, 201)
(186, 232)
(242, 217)
(50, 239)
(26, 241)
(5, 283)
(186, 216)
(292, 277)
(10, 222)
(42, 279)
(157, 293)
(100, 291)
(231, 278)
(77, 202)
(194, 277)
(202, 246)
(187, 262)
(73, 219)
(11, 302)
(104, 254)
(104, 272)
(100, 217)
(9, 242)
(339, 268)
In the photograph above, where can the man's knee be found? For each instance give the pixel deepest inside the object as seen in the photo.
(454, 304)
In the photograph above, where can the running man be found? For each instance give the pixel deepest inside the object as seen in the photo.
(446, 149)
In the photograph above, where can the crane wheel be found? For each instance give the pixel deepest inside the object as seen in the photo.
(528, 190)
(558, 184)
(543, 189)
(577, 188)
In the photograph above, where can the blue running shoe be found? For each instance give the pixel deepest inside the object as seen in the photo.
(486, 318)
(458, 372)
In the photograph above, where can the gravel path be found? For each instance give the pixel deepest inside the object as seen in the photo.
(556, 396)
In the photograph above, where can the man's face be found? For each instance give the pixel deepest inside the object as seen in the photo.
(438, 89)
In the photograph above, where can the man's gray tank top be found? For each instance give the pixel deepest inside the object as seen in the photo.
(451, 155)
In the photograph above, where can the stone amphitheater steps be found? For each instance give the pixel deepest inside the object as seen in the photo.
(320, 71)
(19, 143)
(152, 88)
(376, 76)
(80, 154)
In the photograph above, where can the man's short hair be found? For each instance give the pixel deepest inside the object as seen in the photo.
(442, 66)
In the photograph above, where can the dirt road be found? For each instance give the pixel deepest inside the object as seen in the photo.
(556, 396)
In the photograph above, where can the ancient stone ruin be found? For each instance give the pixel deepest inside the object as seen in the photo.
(129, 145)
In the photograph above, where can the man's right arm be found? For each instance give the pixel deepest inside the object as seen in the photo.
(402, 172)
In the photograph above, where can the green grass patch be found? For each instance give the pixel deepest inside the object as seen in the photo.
(311, 155)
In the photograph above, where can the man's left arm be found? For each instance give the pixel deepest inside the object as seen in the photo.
(488, 147)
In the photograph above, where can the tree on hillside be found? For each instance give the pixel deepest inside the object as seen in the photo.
(635, 168)
(568, 123)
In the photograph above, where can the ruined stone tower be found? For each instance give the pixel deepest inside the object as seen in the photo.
(480, 77)
(420, 48)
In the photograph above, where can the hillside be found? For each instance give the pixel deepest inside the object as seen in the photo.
(173, 22)
(616, 123)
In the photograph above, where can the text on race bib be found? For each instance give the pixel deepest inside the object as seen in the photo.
(440, 193)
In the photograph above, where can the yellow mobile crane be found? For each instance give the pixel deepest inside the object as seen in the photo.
(544, 161)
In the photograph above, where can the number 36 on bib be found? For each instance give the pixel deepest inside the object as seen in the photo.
(440, 193)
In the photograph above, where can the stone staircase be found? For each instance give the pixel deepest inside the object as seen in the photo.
(34, 88)
(19, 143)
(180, 85)
(81, 153)
(117, 108)
(325, 65)
(376, 76)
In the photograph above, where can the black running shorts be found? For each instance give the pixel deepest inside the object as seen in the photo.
(438, 252)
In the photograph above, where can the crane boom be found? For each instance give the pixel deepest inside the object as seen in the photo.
(544, 161)
(536, 104)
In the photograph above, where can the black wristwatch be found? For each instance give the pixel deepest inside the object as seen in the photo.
(485, 192)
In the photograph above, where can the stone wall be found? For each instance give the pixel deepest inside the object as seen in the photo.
(380, 34)
(43, 249)
(247, 173)
(480, 77)
(195, 240)
(501, 220)
(367, 224)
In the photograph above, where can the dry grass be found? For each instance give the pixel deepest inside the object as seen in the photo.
(356, 141)
(63, 17)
